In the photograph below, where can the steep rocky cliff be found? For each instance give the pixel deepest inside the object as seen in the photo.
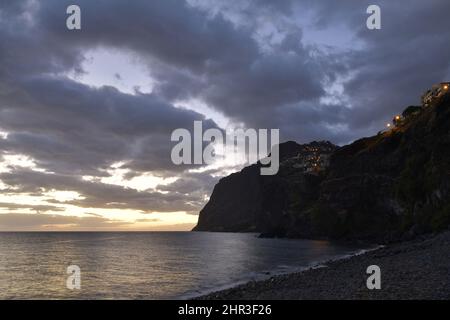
(247, 201)
(391, 186)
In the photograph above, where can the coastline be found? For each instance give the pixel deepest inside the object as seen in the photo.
(264, 276)
(269, 274)
(417, 269)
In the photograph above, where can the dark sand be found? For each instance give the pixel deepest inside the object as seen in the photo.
(418, 269)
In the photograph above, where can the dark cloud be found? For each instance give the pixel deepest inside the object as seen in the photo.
(191, 184)
(72, 128)
(394, 65)
(193, 54)
(99, 195)
(37, 208)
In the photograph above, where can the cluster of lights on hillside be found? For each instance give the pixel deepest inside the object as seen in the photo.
(436, 92)
(397, 118)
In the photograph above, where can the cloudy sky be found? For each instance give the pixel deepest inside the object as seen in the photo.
(86, 116)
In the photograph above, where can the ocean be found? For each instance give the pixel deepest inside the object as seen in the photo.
(147, 265)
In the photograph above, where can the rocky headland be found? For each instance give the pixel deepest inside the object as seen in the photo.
(390, 187)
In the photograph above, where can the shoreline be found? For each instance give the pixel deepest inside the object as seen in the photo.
(267, 275)
(417, 269)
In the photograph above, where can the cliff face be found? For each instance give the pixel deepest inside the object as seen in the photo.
(392, 186)
(247, 201)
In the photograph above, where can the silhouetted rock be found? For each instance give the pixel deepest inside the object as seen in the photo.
(389, 187)
(248, 202)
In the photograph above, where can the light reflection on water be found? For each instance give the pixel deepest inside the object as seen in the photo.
(147, 265)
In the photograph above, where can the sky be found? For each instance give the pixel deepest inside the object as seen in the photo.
(86, 115)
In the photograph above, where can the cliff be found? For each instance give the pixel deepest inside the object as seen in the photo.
(392, 186)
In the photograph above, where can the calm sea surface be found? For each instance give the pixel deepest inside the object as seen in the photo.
(150, 265)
